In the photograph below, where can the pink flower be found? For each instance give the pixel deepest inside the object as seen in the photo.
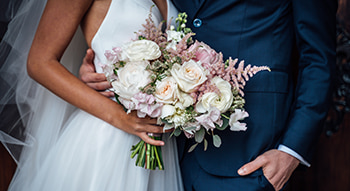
(113, 55)
(204, 53)
(108, 71)
(146, 105)
(128, 104)
(209, 119)
(190, 129)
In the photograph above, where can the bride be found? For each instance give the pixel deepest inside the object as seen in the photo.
(66, 148)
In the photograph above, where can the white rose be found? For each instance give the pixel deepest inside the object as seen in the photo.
(222, 102)
(167, 110)
(131, 78)
(188, 76)
(141, 50)
(166, 90)
(176, 115)
(185, 99)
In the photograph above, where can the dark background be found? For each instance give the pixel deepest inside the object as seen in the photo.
(330, 169)
(7, 165)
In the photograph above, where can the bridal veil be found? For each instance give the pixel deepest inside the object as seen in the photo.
(30, 114)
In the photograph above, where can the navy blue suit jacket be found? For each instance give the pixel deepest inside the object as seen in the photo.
(282, 111)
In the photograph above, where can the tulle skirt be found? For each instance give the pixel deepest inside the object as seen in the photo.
(92, 155)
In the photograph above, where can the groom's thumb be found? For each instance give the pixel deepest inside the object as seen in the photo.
(251, 166)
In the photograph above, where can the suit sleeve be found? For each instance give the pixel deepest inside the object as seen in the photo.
(315, 29)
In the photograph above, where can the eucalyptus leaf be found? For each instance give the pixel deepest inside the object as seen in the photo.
(165, 121)
(177, 132)
(224, 124)
(117, 99)
(192, 147)
(216, 141)
(190, 128)
(205, 144)
(199, 135)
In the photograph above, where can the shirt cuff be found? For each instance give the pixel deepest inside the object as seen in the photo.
(294, 154)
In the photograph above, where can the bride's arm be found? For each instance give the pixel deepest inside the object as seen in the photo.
(56, 29)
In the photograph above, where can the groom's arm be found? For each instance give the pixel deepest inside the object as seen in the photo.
(314, 23)
(315, 29)
(94, 80)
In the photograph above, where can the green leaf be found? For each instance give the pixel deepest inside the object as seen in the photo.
(224, 124)
(199, 135)
(205, 144)
(192, 147)
(190, 128)
(216, 141)
(177, 132)
(117, 99)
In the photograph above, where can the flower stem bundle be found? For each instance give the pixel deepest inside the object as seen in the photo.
(148, 156)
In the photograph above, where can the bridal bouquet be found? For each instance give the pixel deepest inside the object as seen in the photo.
(185, 84)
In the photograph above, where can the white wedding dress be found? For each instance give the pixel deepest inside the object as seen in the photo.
(91, 155)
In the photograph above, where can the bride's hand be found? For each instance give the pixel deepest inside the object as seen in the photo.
(140, 127)
(129, 123)
(88, 75)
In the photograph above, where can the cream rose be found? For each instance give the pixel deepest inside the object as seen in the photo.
(188, 76)
(131, 78)
(166, 90)
(141, 50)
(222, 102)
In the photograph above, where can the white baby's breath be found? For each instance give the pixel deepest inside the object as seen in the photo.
(173, 37)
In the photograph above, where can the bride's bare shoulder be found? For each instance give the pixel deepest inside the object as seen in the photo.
(94, 17)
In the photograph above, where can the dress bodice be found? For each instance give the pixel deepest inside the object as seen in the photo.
(123, 19)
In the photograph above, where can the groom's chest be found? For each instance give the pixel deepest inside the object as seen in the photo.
(223, 12)
(195, 7)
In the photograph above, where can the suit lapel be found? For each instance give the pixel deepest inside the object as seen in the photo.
(191, 7)
(200, 5)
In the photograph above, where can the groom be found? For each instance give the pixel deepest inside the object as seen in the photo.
(286, 113)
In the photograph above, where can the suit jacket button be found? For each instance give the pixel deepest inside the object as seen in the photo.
(197, 22)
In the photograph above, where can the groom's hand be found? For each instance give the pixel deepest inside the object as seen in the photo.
(94, 80)
(277, 166)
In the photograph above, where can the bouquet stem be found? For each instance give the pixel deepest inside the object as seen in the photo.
(148, 156)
